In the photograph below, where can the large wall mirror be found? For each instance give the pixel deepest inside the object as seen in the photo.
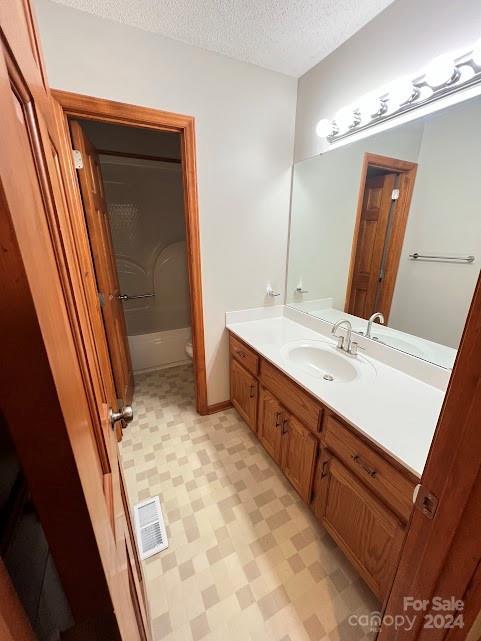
(391, 225)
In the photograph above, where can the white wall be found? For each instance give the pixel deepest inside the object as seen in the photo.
(245, 133)
(432, 300)
(400, 40)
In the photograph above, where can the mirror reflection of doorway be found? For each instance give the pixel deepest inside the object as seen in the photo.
(383, 208)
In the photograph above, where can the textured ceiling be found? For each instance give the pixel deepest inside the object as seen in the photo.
(289, 36)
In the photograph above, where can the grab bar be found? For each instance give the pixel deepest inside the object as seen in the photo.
(459, 259)
(134, 296)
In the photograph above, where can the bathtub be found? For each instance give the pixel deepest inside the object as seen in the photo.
(159, 349)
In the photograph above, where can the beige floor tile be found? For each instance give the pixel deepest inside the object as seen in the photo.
(246, 559)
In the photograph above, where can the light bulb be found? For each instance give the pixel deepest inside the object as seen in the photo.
(323, 128)
(344, 119)
(477, 54)
(466, 72)
(369, 107)
(439, 71)
(400, 92)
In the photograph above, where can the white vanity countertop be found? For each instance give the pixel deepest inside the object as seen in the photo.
(395, 410)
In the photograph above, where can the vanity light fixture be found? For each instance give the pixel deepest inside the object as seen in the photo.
(441, 78)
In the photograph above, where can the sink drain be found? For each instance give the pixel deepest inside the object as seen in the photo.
(328, 377)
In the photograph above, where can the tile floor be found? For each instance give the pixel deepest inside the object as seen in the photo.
(246, 560)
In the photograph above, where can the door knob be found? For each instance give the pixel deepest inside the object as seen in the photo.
(125, 414)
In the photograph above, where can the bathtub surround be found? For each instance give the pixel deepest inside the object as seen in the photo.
(146, 209)
(157, 350)
(245, 135)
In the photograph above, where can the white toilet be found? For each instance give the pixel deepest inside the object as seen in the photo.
(188, 349)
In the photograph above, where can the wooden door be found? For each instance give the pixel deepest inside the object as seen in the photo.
(54, 399)
(97, 219)
(441, 556)
(369, 249)
(299, 448)
(243, 393)
(369, 534)
(269, 430)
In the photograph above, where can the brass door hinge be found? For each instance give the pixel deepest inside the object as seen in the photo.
(78, 161)
(425, 501)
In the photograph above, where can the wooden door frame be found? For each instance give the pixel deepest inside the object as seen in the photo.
(76, 105)
(407, 170)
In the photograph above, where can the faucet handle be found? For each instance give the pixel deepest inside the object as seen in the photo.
(355, 347)
(340, 342)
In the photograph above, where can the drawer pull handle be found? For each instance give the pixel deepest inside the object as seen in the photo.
(253, 390)
(278, 419)
(285, 426)
(358, 460)
(240, 353)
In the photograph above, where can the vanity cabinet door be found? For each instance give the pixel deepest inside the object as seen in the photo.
(369, 534)
(269, 432)
(299, 450)
(243, 393)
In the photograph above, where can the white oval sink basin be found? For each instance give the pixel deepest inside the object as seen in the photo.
(322, 360)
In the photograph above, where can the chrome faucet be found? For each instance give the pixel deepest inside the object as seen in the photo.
(343, 342)
(371, 320)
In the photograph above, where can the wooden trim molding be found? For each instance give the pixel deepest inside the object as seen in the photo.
(129, 154)
(219, 407)
(99, 109)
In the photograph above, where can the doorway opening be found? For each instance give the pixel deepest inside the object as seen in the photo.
(136, 173)
(139, 192)
(383, 207)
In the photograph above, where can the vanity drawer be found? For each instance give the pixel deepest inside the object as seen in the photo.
(389, 483)
(292, 397)
(244, 355)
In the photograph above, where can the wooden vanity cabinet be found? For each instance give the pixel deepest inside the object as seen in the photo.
(243, 393)
(368, 532)
(299, 450)
(360, 495)
(270, 423)
(288, 442)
